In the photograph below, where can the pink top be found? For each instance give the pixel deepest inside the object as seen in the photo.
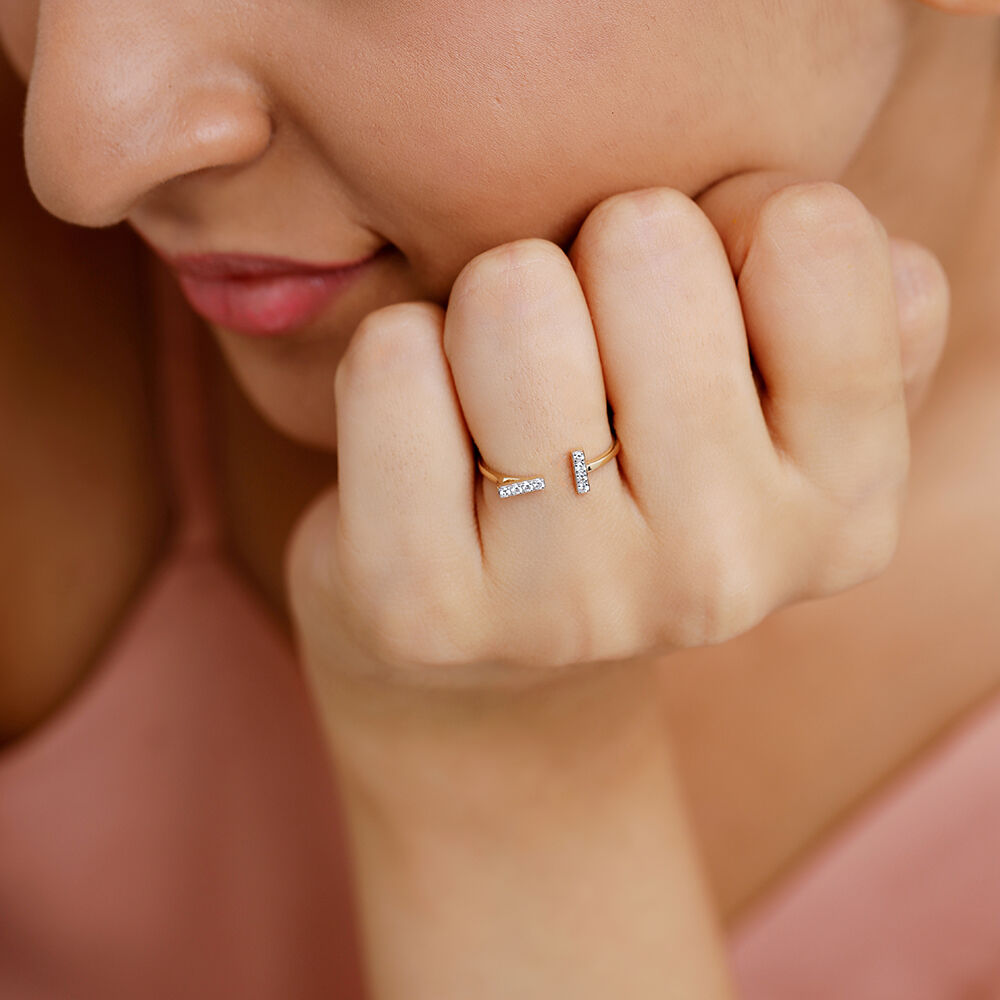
(173, 831)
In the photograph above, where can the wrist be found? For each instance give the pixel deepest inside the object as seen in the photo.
(455, 754)
(541, 833)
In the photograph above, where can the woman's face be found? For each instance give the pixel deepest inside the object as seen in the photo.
(324, 130)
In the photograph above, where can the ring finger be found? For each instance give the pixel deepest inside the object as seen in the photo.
(521, 346)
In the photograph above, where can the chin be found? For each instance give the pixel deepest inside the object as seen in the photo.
(304, 426)
(288, 385)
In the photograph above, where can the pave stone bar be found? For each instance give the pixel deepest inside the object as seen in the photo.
(525, 486)
(580, 472)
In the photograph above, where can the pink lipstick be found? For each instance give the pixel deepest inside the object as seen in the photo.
(262, 296)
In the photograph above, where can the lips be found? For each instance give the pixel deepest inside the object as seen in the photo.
(263, 296)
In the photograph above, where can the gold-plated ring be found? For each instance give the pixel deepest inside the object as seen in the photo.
(605, 456)
(510, 486)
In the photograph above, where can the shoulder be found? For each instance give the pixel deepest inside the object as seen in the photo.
(81, 511)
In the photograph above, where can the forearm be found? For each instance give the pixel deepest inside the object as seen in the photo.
(533, 846)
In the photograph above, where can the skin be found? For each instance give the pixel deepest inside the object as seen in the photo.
(413, 653)
(479, 105)
(838, 92)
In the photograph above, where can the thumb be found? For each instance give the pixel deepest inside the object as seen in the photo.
(922, 293)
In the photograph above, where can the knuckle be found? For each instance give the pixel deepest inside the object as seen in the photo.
(548, 636)
(827, 217)
(565, 619)
(418, 627)
(634, 224)
(402, 642)
(394, 337)
(862, 550)
(524, 266)
(869, 477)
(725, 599)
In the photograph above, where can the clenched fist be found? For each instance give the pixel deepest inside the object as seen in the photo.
(762, 420)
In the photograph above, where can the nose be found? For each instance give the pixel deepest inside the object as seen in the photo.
(127, 95)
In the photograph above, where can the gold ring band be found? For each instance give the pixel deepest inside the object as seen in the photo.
(605, 457)
(509, 486)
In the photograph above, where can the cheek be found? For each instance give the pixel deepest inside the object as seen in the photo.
(18, 28)
(466, 125)
(471, 125)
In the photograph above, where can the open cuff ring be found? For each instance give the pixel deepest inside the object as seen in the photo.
(512, 486)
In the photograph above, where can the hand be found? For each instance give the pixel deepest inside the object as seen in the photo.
(741, 485)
